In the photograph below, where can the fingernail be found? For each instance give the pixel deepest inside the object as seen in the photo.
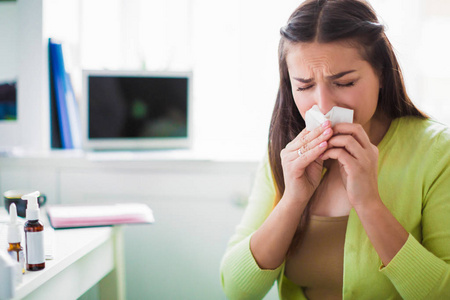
(327, 132)
(326, 123)
(323, 144)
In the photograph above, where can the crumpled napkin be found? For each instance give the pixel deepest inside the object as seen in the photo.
(314, 118)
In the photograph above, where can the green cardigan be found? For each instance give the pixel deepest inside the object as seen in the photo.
(414, 184)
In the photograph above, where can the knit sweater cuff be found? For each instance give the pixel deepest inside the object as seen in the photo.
(414, 270)
(245, 273)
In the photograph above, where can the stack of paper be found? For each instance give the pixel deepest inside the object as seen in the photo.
(70, 216)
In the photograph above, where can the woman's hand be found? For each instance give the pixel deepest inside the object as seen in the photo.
(358, 162)
(271, 241)
(302, 168)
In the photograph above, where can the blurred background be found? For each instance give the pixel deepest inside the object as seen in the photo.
(231, 48)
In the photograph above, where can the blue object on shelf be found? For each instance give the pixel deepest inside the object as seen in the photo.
(69, 123)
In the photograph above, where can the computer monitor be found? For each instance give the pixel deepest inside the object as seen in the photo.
(132, 110)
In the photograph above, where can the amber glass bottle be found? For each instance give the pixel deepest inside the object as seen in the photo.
(34, 234)
(34, 245)
(16, 252)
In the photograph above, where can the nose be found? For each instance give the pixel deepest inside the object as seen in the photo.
(324, 99)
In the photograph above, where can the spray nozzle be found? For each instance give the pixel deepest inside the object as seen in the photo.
(12, 214)
(32, 205)
(14, 228)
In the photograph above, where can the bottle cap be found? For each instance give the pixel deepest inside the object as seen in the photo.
(14, 227)
(32, 212)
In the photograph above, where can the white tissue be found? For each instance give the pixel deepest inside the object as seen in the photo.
(336, 115)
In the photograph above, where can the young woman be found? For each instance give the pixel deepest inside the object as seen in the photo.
(355, 211)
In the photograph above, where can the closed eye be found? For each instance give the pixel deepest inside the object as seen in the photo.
(301, 89)
(345, 85)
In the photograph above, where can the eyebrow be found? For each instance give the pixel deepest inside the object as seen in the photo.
(331, 77)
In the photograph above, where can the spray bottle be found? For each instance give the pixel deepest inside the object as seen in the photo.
(34, 234)
(15, 250)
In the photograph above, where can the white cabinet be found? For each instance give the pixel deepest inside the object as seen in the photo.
(197, 205)
(143, 181)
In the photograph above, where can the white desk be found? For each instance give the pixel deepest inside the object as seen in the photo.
(82, 258)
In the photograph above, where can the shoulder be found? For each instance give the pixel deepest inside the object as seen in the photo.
(425, 134)
(424, 145)
(429, 140)
(416, 143)
(423, 128)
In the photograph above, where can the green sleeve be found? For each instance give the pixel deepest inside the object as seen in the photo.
(421, 269)
(241, 276)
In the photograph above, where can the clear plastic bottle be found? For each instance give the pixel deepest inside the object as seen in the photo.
(15, 249)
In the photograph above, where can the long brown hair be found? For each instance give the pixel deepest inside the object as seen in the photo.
(326, 21)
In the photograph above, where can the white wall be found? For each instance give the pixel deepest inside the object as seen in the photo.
(9, 131)
(28, 63)
(8, 41)
(417, 29)
(232, 48)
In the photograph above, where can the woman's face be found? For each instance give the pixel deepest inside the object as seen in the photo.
(332, 74)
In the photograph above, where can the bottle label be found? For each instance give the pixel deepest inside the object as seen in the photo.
(35, 247)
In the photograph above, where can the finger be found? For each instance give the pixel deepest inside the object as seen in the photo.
(355, 130)
(299, 137)
(341, 155)
(306, 137)
(347, 142)
(305, 159)
(293, 153)
(327, 134)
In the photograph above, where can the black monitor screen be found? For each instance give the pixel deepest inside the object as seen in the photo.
(137, 107)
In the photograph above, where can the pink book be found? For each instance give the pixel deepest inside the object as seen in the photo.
(70, 216)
